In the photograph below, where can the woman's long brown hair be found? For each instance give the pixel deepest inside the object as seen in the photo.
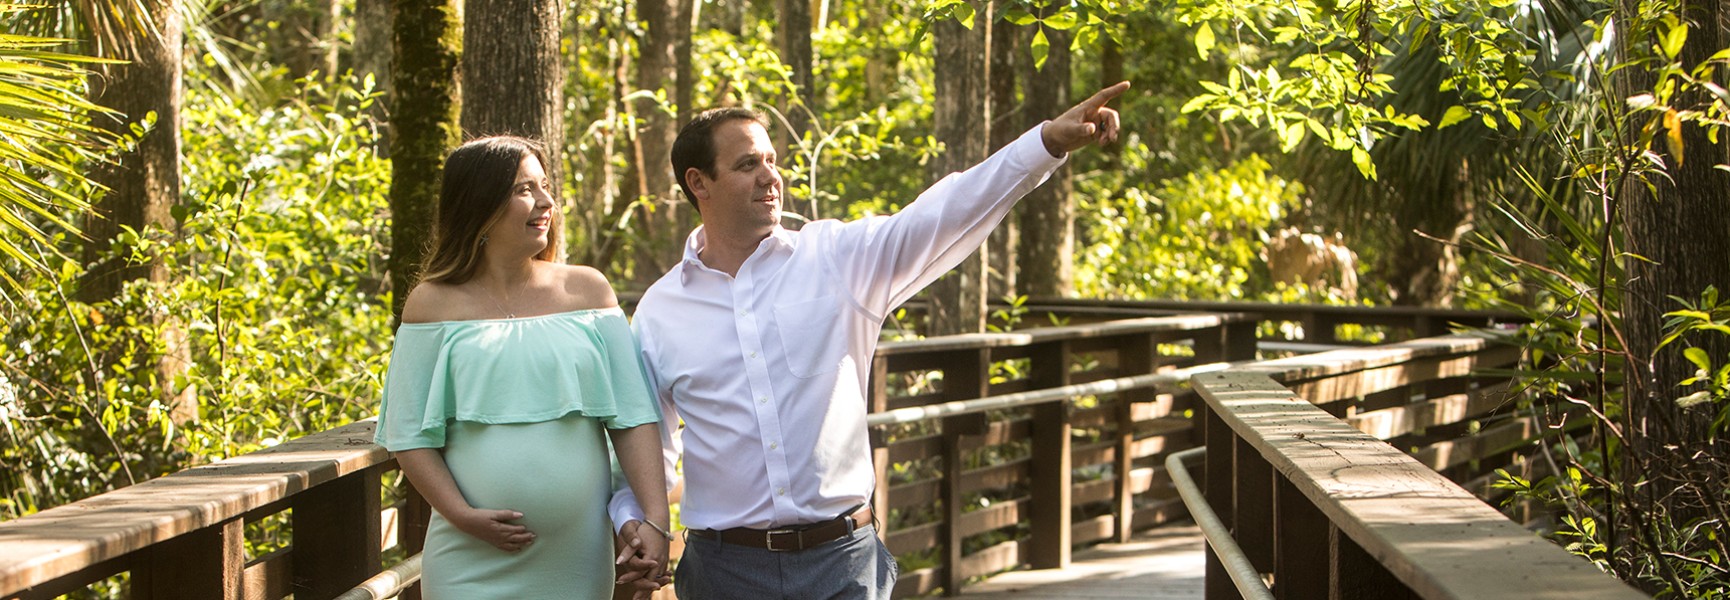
(477, 181)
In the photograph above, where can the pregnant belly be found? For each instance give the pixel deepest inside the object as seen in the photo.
(554, 472)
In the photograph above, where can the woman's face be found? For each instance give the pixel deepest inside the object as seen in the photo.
(528, 211)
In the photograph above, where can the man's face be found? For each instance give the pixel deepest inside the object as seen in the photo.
(743, 199)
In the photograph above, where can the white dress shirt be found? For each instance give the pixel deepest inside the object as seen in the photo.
(768, 369)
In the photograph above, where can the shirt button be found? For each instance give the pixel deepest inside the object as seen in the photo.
(744, 312)
(780, 491)
(762, 399)
(773, 445)
(753, 355)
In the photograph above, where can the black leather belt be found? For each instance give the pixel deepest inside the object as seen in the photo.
(790, 539)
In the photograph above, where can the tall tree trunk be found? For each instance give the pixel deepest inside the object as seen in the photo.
(1006, 110)
(428, 41)
(143, 185)
(1048, 213)
(1110, 72)
(372, 56)
(962, 118)
(793, 34)
(304, 39)
(512, 74)
(1682, 230)
(686, 83)
(657, 73)
(876, 67)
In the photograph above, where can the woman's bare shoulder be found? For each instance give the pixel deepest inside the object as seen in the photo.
(431, 302)
(586, 287)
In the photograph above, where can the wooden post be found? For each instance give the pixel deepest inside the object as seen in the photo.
(1051, 469)
(1240, 340)
(1136, 356)
(1217, 484)
(1355, 575)
(336, 535)
(205, 564)
(416, 517)
(966, 375)
(1252, 505)
(1300, 566)
(879, 402)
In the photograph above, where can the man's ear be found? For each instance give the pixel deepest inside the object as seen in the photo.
(698, 182)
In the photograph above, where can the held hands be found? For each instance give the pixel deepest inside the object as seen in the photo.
(643, 560)
(1086, 123)
(494, 527)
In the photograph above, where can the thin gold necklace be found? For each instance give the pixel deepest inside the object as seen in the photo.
(495, 299)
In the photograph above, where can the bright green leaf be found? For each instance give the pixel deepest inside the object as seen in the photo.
(1203, 40)
(1454, 115)
(1698, 357)
(1674, 39)
(1062, 21)
(1041, 49)
(1366, 166)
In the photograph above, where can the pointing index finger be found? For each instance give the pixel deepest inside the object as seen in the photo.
(1106, 95)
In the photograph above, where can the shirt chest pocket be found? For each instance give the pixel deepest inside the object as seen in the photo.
(813, 335)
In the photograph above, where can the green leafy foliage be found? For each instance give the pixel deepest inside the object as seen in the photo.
(1199, 236)
(272, 319)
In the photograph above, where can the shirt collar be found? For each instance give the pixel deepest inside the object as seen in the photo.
(698, 239)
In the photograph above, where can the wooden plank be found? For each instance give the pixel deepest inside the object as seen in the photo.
(205, 564)
(1051, 470)
(1354, 574)
(1252, 505)
(1300, 568)
(1421, 368)
(336, 536)
(1000, 515)
(80, 580)
(269, 577)
(66, 539)
(1434, 536)
(913, 538)
(1339, 362)
(1397, 421)
(1042, 335)
(1218, 480)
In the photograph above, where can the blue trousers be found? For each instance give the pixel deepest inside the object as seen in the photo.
(855, 567)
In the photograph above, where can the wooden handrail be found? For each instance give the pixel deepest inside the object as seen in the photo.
(1392, 526)
(136, 524)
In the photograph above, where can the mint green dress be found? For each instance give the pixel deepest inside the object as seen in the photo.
(518, 407)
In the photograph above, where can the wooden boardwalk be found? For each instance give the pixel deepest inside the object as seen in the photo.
(1164, 563)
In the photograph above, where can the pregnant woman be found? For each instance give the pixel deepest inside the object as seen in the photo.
(509, 374)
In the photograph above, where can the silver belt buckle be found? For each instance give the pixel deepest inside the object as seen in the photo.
(769, 539)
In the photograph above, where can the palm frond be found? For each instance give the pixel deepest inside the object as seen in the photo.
(45, 138)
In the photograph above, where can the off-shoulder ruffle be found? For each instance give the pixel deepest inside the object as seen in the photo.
(504, 371)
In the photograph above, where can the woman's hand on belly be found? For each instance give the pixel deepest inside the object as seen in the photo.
(493, 527)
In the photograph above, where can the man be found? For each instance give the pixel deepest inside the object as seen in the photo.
(760, 339)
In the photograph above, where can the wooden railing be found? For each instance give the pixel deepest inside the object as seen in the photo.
(184, 535)
(963, 494)
(985, 492)
(1300, 468)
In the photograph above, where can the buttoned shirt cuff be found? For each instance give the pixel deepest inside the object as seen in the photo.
(624, 512)
(1034, 154)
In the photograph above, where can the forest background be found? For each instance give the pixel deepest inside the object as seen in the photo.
(211, 207)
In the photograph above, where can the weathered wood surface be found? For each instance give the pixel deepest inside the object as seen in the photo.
(1431, 534)
(1158, 564)
(67, 539)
